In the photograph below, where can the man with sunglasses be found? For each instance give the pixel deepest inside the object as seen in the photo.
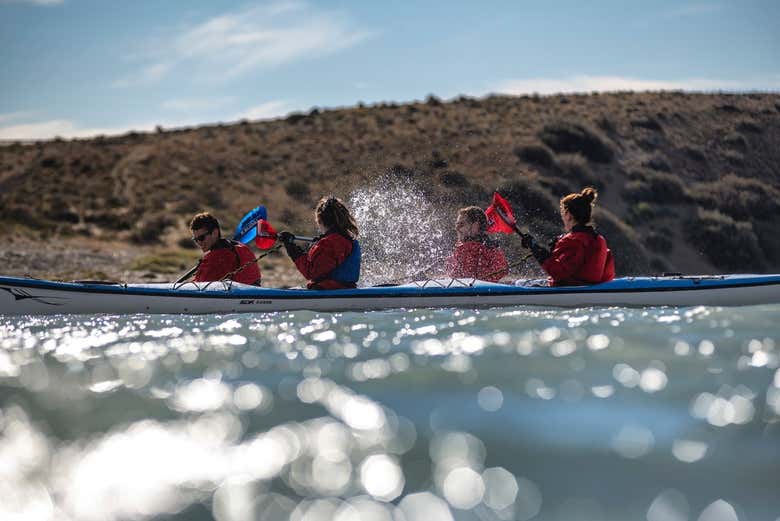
(223, 259)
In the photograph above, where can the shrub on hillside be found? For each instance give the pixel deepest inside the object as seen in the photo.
(728, 244)
(641, 212)
(738, 197)
(109, 219)
(535, 154)
(766, 231)
(659, 242)
(655, 187)
(57, 208)
(452, 178)
(729, 108)
(733, 157)
(630, 256)
(659, 163)
(647, 123)
(749, 126)
(736, 141)
(606, 124)
(529, 199)
(576, 170)
(401, 171)
(556, 186)
(297, 189)
(150, 229)
(576, 138)
(695, 153)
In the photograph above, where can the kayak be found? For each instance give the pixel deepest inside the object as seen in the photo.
(25, 296)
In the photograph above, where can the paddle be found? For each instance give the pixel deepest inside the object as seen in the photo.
(506, 222)
(267, 235)
(245, 232)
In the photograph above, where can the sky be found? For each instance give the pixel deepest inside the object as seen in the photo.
(79, 68)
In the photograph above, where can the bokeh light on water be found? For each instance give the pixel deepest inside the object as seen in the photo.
(515, 413)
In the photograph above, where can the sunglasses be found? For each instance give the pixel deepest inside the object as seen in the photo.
(202, 236)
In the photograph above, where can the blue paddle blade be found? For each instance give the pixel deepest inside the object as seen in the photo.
(247, 228)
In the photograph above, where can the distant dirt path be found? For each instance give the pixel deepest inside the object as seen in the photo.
(123, 176)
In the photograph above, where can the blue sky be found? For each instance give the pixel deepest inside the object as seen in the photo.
(77, 68)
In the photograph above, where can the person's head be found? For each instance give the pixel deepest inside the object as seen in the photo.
(205, 230)
(471, 222)
(331, 214)
(577, 208)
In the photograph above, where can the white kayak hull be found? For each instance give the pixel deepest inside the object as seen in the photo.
(22, 296)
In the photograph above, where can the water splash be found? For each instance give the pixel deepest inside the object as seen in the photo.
(403, 234)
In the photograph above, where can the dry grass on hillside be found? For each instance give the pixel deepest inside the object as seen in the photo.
(688, 182)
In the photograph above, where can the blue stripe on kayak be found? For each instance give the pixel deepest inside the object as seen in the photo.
(622, 285)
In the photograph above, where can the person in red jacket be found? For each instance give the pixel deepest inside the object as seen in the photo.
(475, 255)
(223, 259)
(333, 262)
(580, 256)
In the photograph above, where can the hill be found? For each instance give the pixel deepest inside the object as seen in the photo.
(687, 182)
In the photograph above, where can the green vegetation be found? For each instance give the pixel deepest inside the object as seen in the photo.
(657, 159)
(565, 136)
(729, 244)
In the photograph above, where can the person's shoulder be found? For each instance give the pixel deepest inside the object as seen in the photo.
(336, 238)
(571, 239)
(240, 245)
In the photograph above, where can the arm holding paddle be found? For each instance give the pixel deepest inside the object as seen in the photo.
(580, 256)
(501, 219)
(333, 262)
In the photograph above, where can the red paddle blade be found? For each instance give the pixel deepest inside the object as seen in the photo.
(266, 235)
(500, 217)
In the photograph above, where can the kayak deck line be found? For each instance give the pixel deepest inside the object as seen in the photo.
(38, 296)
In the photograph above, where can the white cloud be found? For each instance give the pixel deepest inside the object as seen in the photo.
(58, 128)
(149, 75)
(68, 129)
(261, 36)
(618, 83)
(269, 110)
(14, 116)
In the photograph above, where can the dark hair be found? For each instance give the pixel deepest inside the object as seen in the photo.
(580, 205)
(204, 220)
(475, 214)
(333, 214)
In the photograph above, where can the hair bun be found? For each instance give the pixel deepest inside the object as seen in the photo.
(589, 194)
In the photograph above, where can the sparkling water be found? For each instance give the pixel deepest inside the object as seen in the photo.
(513, 413)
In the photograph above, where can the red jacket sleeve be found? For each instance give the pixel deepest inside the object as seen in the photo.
(324, 256)
(566, 258)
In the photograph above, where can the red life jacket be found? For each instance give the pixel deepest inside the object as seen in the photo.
(580, 257)
(325, 256)
(225, 257)
(479, 259)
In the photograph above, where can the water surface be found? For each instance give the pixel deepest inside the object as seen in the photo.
(514, 413)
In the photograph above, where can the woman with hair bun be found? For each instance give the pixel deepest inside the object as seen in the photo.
(580, 256)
